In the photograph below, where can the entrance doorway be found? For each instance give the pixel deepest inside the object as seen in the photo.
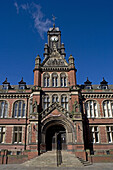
(56, 138)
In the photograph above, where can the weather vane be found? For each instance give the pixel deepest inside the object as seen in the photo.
(54, 18)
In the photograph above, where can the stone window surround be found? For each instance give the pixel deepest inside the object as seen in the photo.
(94, 101)
(50, 78)
(18, 131)
(2, 134)
(109, 130)
(111, 102)
(18, 109)
(6, 102)
(59, 98)
(95, 134)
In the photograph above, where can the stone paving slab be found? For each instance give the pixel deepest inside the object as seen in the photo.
(95, 166)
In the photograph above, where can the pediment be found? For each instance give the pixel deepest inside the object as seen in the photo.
(55, 109)
(53, 62)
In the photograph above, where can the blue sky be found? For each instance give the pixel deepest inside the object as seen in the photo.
(87, 32)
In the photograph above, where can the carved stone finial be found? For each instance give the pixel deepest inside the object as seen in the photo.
(54, 18)
(37, 61)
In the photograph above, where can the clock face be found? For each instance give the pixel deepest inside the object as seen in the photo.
(54, 38)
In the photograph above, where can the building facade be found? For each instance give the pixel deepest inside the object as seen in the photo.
(55, 112)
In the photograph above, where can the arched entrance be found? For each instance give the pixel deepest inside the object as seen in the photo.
(55, 137)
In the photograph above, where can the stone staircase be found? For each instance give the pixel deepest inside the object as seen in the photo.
(85, 163)
(49, 159)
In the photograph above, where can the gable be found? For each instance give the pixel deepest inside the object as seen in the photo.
(52, 62)
(54, 109)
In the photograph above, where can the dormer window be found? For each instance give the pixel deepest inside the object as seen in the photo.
(88, 87)
(104, 87)
(104, 84)
(87, 84)
(6, 84)
(22, 84)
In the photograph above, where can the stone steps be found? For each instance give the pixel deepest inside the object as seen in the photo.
(49, 159)
(85, 163)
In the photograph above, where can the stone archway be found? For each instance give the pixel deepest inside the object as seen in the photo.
(51, 127)
(55, 137)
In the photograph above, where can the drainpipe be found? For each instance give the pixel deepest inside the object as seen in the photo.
(26, 125)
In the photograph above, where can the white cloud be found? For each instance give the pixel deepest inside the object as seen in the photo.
(17, 7)
(40, 23)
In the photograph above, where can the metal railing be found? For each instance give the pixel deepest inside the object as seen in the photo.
(59, 157)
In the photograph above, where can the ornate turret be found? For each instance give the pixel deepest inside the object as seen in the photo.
(37, 61)
(71, 61)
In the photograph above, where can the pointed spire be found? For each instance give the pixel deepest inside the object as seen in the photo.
(6, 82)
(103, 82)
(21, 81)
(87, 82)
(54, 18)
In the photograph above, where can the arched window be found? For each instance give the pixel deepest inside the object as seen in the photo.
(46, 101)
(63, 80)
(91, 109)
(46, 80)
(55, 98)
(3, 109)
(19, 109)
(54, 80)
(108, 108)
(64, 101)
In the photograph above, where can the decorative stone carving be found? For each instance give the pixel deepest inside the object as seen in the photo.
(34, 114)
(97, 95)
(76, 114)
(55, 62)
(36, 88)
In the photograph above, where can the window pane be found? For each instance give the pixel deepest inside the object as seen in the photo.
(15, 128)
(20, 107)
(15, 137)
(64, 81)
(53, 99)
(112, 108)
(53, 82)
(20, 137)
(6, 110)
(44, 82)
(47, 82)
(109, 137)
(23, 110)
(56, 81)
(2, 109)
(96, 137)
(95, 110)
(56, 99)
(3, 138)
(15, 110)
(20, 128)
(61, 81)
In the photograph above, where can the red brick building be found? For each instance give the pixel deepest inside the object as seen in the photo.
(55, 112)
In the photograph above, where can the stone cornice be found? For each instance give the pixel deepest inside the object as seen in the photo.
(97, 95)
(12, 96)
(55, 68)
